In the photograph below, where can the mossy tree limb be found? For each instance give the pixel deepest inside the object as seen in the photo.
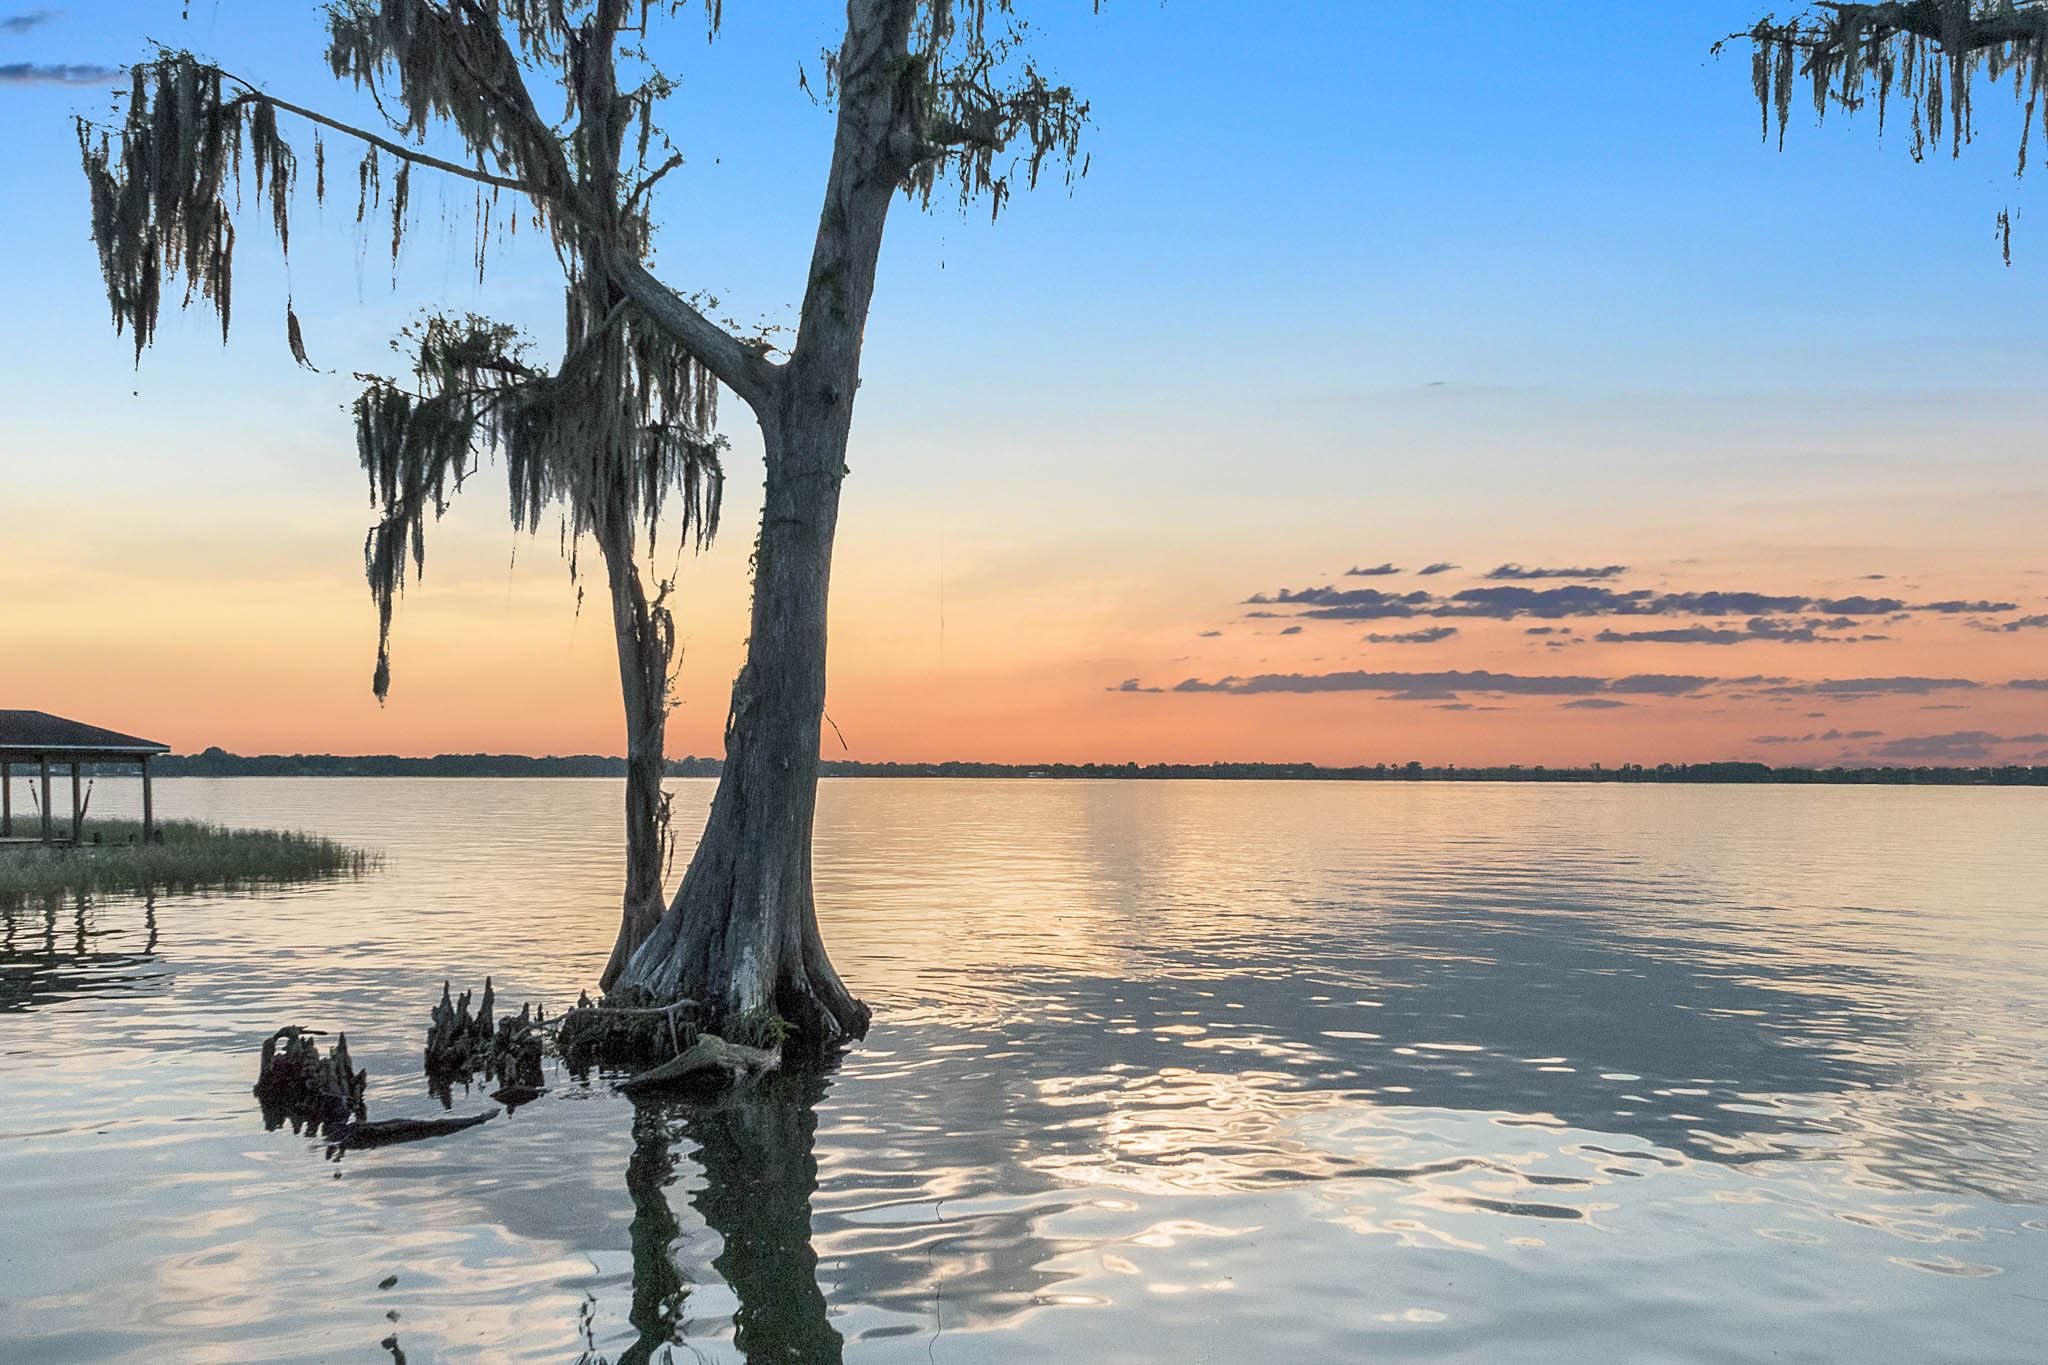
(925, 94)
(619, 435)
(1929, 53)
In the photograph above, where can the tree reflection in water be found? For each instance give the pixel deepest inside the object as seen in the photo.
(760, 1172)
(659, 1290)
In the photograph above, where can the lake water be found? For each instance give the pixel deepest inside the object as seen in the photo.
(1159, 1072)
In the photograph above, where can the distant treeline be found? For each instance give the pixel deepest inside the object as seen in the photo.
(219, 763)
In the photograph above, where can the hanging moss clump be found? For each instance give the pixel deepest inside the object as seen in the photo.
(1928, 53)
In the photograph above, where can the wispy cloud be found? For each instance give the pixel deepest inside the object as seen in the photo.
(1825, 738)
(29, 73)
(1414, 637)
(1873, 687)
(1951, 608)
(1685, 635)
(1377, 571)
(1431, 570)
(1510, 602)
(2017, 623)
(1516, 573)
(1450, 685)
(1956, 746)
(1353, 604)
(12, 24)
(1814, 630)
(1660, 684)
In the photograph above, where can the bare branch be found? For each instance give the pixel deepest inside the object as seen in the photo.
(745, 370)
(648, 181)
(385, 144)
(452, 63)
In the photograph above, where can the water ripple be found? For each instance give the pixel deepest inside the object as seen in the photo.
(1201, 1070)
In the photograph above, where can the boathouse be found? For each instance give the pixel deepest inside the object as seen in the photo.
(39, 739)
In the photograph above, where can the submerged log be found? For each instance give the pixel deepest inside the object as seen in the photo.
(322, 1095)
(512, 1096)
(385, 1132)
(296, 1083)
(709, 1063)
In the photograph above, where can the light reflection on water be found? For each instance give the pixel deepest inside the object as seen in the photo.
(1160, 1071)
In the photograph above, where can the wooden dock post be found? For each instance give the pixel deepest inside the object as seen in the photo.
(46, 799)
(77, 807)
(6, 800)
(148, 806)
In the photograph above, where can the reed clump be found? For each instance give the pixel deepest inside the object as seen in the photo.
(188, 855)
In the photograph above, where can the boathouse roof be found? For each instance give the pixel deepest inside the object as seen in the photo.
(38, 734)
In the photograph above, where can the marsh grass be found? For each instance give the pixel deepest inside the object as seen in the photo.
(191, 856)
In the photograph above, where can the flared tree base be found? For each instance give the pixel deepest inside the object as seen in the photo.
(741, 940)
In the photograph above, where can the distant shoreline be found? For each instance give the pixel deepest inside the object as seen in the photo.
(218, 763)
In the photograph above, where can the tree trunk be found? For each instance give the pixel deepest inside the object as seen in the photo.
(646, 640)
(742, 932)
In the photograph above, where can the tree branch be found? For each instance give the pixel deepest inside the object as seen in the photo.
(385, 144)
(536, 129)
(744, 370)
(652, 178)
(1925, 19)
(451, 62)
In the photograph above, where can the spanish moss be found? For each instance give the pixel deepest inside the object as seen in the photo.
(1929, 53)
(619, 435)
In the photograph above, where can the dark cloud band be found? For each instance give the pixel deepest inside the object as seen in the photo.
(29, 73)
(1514, 602)
(1414, 637)
(1516, 573)
(1450, 684)
(14, 24)
(1813, 630)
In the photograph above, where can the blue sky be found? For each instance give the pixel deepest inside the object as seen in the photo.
(1343, 283)
(1343, 191)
